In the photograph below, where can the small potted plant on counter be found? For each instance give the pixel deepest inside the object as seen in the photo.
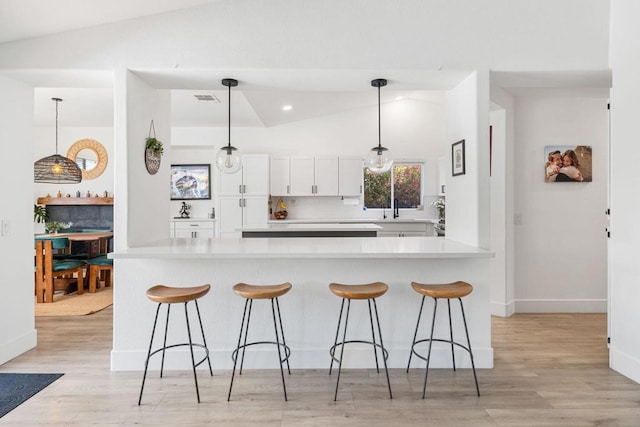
(54, 226)
(440, 205)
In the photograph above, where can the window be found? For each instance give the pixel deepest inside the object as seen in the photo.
(406, 189)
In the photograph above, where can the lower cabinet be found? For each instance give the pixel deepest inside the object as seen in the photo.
(235, 213)
(192, 228)
(405, 229)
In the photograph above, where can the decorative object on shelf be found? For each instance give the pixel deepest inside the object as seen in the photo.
(59, 195)
(56, 169)
(78, 194)
(190, 182)
(55, 226)
(440, 205)
(458, 158)
(228, 160)
(153, 150)
(40, 214)
(184, 210)
(378, 160)
(90, 156)
(282, 213)
(212, 214)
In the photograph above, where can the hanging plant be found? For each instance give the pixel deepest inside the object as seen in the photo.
(153, 150)
(154, 145)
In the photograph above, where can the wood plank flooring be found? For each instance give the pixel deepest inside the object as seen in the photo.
(550, 370)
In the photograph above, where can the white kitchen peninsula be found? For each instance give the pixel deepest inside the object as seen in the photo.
(309, 311)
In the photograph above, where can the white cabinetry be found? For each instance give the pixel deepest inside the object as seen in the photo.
(304, 176)
(350, 176)
(192, 228)
(243, 197)
(404, 229)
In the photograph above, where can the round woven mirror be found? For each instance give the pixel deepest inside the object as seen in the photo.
(90, 156)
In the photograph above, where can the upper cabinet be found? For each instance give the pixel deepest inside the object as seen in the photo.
(304, 176)
(250, 180)
(350, 176)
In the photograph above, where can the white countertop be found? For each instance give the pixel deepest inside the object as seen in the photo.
(283, 226)
(352, 220)
(309, 248)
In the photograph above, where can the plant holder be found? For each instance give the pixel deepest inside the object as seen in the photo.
(152, 157)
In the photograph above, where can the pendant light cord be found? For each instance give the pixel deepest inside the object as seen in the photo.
(57, 101)
(229, 119)
(379, 133)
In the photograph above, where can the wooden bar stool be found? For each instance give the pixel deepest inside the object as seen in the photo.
(271, 292)
(367, 292)
(170, 295)
(445, 291)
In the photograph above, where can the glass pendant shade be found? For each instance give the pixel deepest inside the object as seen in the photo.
(378, 160)
(56, 169)
(228, 160)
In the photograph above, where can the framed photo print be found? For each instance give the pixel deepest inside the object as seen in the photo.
(567, 163)
(190, 182)
(458, 158)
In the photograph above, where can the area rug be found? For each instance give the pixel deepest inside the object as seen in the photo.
(15, 389)
(76, 305)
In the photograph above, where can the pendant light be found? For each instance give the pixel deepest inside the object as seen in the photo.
(378, 159)
(56, 169)
(228, 160)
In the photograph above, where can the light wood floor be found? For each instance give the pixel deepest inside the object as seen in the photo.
(549, 370)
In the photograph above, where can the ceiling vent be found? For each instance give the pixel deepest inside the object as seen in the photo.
(207, 98)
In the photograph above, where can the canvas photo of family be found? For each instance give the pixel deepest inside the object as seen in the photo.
(565, 163)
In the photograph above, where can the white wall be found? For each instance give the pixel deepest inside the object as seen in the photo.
(560, 253)
(17, 333)
(625, 238)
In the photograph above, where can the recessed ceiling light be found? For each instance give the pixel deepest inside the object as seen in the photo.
(287, 108)
(398, 98)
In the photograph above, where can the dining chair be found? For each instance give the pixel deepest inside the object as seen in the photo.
(48, 268)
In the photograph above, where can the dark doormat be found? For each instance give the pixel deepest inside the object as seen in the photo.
(17, 388)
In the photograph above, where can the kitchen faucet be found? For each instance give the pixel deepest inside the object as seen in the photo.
(384, 214)
(396, 209)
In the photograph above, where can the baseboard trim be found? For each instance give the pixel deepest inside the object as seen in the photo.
(561, 306)
(17, 346)
(503, 310)
(624, 364)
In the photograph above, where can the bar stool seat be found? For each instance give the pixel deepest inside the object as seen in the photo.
(368, 292)
(168, 295)
(456, 290)
(261, 292)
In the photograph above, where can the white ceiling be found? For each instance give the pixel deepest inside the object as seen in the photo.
(259, 98)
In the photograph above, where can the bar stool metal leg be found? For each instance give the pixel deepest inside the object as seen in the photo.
(234, 355)
(453, 354)
(284, 342)
(415, 334)
(146, 363)
(466, 331)
(344, 340)
(246, 333)
(193, 359)
(373, 335)
(384, 358)
(335, 342)
(164, 343)
(280, 361)
(204, 340)
(433, 324)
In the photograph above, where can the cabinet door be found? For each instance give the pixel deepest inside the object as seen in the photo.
(302, 176)
(255, 174)
(326, 176)
(229, 216)
(279, 176)
(229, 184)
(255, 211)
(351, 176)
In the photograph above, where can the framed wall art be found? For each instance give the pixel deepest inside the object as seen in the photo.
(458, 158)
(190, 182)
(567, 163)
